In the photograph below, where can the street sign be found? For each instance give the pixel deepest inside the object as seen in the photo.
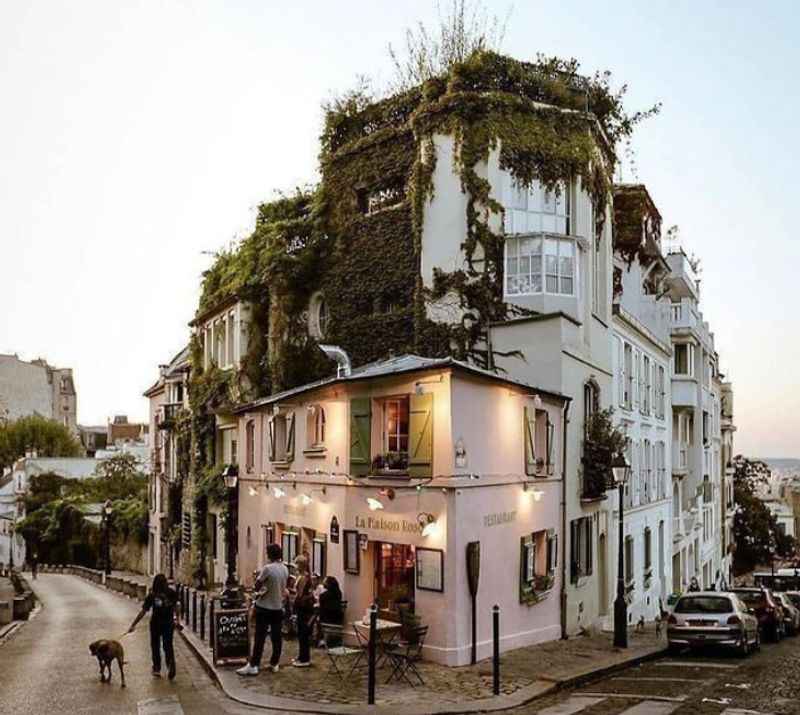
(231, 635)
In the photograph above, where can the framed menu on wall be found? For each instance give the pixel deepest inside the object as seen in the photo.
(430, 569)
(352, 552)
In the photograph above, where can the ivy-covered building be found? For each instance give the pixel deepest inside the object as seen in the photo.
(469, 218)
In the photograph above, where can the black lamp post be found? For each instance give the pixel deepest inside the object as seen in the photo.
(107, 535)
(231, 595)
(621, 470)
(11, 546)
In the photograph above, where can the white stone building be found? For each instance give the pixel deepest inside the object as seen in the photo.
(643, 408)
(37, 388)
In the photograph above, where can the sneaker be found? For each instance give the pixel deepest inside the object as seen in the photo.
(171, 672)
(248, 670)
(300, 664)
(273, 668)
(156, 673)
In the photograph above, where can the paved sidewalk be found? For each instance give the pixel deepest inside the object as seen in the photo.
(526, 674)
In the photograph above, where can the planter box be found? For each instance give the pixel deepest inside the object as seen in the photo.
(5, 612)
(20, 609)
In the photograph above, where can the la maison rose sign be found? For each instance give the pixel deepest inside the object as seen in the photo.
(379, 523)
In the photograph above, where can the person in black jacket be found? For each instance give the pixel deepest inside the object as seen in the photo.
(161, 601)
(331, 609)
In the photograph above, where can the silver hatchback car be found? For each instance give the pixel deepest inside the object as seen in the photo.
(712, 618)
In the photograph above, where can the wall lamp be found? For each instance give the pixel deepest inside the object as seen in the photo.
(427, 523)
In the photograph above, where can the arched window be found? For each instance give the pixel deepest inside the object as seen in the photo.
(315, 427)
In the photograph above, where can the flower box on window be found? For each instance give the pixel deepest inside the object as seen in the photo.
(391, 462)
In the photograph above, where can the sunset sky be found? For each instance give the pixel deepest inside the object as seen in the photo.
(135, 141)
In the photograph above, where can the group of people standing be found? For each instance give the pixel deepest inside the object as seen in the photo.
(307, 599)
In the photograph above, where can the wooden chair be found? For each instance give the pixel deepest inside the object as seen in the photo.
(336, 650)
(406, 655)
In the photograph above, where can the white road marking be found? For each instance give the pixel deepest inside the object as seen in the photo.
(666, 680)
(168, 705)
(696, 664)
(651, 707)
(740, 711)
(717, 701)
(663, 698)
(740, 686)
(574, 705)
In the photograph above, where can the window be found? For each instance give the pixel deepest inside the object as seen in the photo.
(214, 536)
(234, 456)
(533, 209)
(660, 392)
(231, 340)
(250, 445)
(684, 359)
(581, 547)
(628, 559)
(315, 427)
(628, 391)
(289, 546)
(647, 385)
(280, 438)
(705, 430)
(319, 556)
(395, 425)
(648, 549)
(620, 372)
(646, 456)
(591, 401)
(534, 263)
(538, 561)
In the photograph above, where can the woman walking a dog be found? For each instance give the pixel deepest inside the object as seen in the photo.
(161, 600)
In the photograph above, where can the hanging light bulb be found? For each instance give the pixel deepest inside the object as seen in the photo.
(278, 492)
(374, 504)
(305, 499)
(252, 491)
(535, 493)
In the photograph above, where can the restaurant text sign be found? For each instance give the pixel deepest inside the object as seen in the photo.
(400, 526)
(501, 517)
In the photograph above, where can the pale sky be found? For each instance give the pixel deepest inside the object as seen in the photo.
(135, 136)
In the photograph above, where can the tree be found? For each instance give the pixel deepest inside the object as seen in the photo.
(464, 30)
(755, 528)
(48, 437)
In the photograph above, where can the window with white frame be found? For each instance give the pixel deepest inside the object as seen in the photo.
(646, 460)
(231, 333)
(628, 392)
(534, 209)
(647, 384)
(540, 265)
(395, 424)
(661, 392)
(620, 372)
(684, 359)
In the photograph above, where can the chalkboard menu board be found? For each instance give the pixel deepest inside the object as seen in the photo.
(231, 635)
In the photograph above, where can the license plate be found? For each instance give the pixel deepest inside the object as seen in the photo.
(704, 624)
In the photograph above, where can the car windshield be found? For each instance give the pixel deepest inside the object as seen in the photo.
(751, 598)
(704, 604)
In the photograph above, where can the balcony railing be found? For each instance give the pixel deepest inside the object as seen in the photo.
(167, 415)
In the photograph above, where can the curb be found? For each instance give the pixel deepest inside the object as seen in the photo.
(522, 697)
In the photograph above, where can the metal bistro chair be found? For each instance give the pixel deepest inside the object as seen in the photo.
(337, 650)
(407, 654)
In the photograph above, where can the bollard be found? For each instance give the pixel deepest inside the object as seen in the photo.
(194, 612)
(211, 625)
(496, 649)
(373, 622)
(203, 617)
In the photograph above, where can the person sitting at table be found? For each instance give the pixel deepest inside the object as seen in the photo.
(330, 605)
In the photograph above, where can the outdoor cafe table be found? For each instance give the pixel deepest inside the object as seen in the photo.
(385, 633)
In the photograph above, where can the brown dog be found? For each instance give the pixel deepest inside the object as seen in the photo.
(107, 652)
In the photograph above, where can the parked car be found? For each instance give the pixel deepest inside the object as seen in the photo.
(791, 614)
(769, 613)
(794, 597)
(711, 618)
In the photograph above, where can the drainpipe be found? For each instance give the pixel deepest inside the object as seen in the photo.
(334, 352)
(564, 423)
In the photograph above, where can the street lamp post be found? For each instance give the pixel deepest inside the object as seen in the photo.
(231, 595)
(621, 470)
(11, 546)
(107, 536)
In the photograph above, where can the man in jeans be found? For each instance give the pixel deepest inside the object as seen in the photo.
(270, 588)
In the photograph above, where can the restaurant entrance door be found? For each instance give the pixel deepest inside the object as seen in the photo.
(394, 578)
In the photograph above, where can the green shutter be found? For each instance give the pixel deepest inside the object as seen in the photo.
(290, 438)
(360, 433)
(529, 418)
(420, 435)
